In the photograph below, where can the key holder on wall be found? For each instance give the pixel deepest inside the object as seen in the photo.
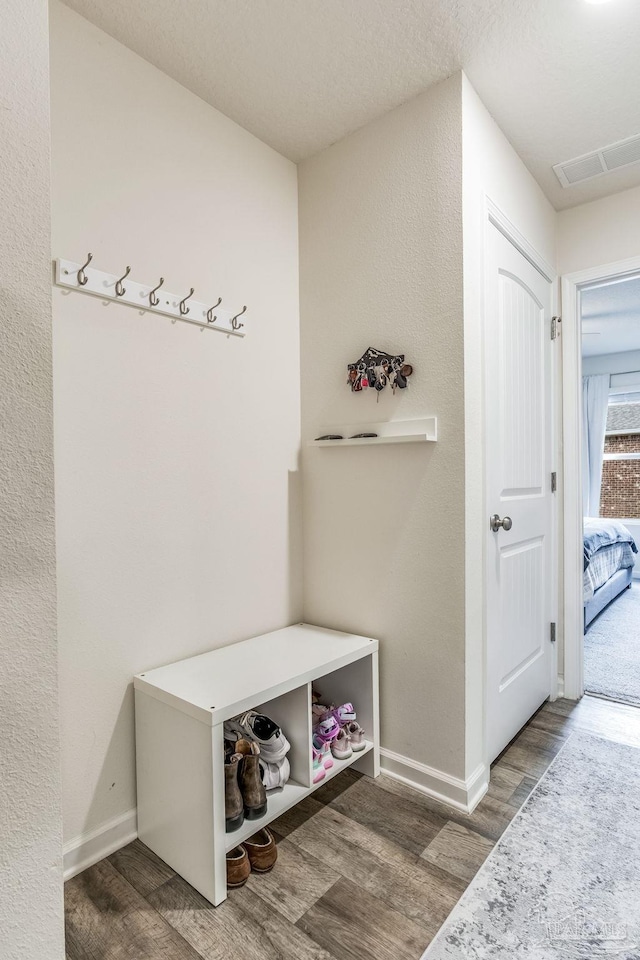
(376, 369)
(147, 296)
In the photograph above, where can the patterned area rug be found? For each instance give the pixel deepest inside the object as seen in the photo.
(612, 650)
(563, 882)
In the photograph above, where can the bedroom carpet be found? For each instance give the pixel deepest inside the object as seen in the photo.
(612, 650)
(561, 884)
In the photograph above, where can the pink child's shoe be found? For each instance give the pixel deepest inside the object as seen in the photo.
(327, 730)
(345, 713)
(356, 736)
(324, 750)
(318, 769)
(341, 747)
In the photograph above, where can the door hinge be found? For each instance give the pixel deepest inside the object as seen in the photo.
(554, 482)
(552, 633)
(555, 327)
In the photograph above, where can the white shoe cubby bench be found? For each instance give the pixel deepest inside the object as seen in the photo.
(180, 711)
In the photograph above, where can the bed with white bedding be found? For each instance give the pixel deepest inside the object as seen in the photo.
(609, 558)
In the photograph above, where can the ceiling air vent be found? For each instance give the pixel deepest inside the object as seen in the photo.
(621, 154)
(616, 155)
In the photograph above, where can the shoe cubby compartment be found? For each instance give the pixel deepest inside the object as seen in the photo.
(291, 711)
(355, 683)
(180, 713)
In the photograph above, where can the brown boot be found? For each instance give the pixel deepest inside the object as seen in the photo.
(238, 867)
(250, 780)
(262, 851)
(233, 803)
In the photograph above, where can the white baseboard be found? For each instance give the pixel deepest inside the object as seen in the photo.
(89, 848)
(464, 795)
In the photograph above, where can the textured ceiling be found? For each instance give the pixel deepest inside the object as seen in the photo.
(611, 318)
(559, 76)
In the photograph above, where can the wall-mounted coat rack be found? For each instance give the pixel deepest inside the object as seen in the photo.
(151, 297)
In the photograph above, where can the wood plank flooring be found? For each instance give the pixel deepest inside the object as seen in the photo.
(367, 869)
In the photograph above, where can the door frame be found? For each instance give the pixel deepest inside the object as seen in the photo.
(573, 627)
(496, 218)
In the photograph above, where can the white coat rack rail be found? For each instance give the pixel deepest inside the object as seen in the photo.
(147, 297)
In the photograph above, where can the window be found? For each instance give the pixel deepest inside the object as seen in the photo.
(620, 491)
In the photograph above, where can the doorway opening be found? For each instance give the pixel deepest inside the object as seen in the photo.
(603, 486)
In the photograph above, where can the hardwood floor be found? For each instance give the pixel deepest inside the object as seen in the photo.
(367, 870)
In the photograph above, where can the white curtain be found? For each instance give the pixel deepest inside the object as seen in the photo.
(595, 401)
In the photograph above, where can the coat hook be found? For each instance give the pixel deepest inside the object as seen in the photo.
(184, 310)
(153, 300)
(82, 277)
(234, 320)
(120, 290)
(210, 316)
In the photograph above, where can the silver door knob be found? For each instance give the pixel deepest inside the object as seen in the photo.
(506, 523)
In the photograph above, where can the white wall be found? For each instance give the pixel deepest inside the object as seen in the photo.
(394, 538)
(30, 815)
(601, 232)
(491, 169)
(614, 363)
(176, 448)
(381, 266)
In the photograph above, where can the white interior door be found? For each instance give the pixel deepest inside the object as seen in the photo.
(518, 456)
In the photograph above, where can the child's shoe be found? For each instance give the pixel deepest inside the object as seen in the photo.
(327, 730)
(324, 750)
(319, 712)
(341, 747)
(342, 714)
(356, 736)
(318, 769)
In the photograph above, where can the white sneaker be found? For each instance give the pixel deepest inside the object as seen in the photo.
(274, 775)
(250, 726)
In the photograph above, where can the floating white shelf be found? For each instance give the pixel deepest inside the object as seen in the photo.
(180, 713)
(393, 431)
